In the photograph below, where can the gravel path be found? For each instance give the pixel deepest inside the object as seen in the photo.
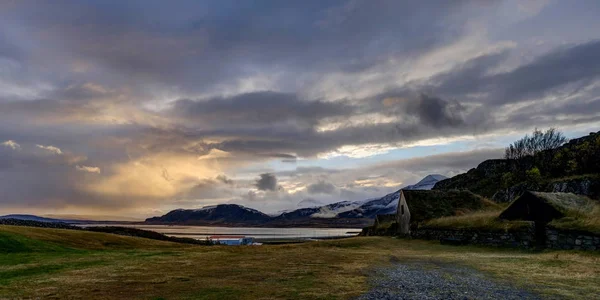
(437, 281)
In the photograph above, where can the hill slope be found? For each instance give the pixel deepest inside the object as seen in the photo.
(228, 214)
(35, 218)
(573, 167)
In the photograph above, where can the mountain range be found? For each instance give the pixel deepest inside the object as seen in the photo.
(340, 214)
(351, 214)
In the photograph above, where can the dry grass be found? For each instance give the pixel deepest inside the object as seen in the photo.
(584, 219)
(70, 264)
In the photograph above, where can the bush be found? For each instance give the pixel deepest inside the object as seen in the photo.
(533, 175)
(539, 141)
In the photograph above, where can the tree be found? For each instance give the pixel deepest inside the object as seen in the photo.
(538, 142)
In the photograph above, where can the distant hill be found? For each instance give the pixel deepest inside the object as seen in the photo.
(227, 214)
(340, 214)
(574, 167)
(36, 218)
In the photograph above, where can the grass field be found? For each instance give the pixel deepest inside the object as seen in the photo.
(63, 264)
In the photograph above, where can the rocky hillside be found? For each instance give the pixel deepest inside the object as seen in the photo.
(485, 180)
(573, 167)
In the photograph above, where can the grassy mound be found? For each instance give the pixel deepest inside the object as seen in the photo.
(32, 239)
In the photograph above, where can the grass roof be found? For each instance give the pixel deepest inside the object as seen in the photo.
(566, 203)
(430, 204)
(581, 213)
(478, 220)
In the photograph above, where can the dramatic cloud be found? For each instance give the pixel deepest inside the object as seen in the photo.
(576, 64)
(267, 182)
(259, 109)
(138, 108)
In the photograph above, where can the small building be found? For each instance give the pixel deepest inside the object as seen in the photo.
(231, 240)
(544, 207)
(417, 206)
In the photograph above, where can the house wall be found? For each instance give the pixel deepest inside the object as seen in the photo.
(403, 216)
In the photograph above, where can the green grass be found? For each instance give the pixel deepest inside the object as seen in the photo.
(480, 220)
(52, 263)
(584, 219)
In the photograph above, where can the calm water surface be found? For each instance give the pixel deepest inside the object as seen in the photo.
(201, 232)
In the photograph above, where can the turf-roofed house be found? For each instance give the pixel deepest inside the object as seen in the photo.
(417, 206)
(543, 208)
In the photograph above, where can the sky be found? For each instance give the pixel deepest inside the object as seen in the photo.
(128, 109)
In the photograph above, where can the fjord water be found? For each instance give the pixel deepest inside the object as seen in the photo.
(202, 232)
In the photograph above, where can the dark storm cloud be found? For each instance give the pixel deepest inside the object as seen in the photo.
(556, 69)
(259, 109)
(266, 182)
(267, 122)
(436, 112)
(102, 79)
(575, 64)
(321, 187)
(193, 45)
(218, 187)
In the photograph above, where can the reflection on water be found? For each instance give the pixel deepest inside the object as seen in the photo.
(201, 232)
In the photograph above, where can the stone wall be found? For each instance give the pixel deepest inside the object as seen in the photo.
(567, 240)
(515, 239)
(523, 238)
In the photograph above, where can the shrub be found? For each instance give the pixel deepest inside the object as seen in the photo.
(539, 141)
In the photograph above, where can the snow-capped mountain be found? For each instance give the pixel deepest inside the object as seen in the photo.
(388, 203)
(343, 213)
(216, 214)
(309, 203)
(426, 183)
(326, 211)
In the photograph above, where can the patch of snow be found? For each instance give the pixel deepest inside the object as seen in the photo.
(332, 210)
(206, 208)
(426, 183)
